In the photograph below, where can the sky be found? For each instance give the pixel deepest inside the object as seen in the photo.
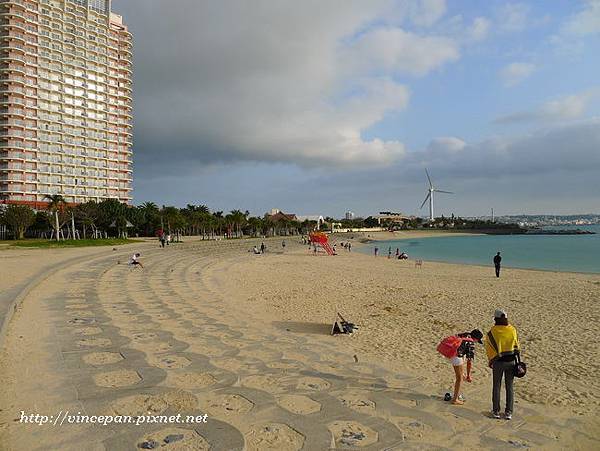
(323, 107)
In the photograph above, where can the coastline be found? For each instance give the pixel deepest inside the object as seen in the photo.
(385, 239)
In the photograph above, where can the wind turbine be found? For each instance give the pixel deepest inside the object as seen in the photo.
(429, 196)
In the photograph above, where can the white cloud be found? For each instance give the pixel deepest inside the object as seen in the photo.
(397, 51)
(425, 13)
(587, 21)
(449, 144)
(479, 29)
(285, 81)
(515, 73)
(560, 109)
(513, 16)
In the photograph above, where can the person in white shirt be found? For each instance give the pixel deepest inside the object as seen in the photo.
(134, 261)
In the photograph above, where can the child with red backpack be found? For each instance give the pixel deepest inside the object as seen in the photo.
(457, 348)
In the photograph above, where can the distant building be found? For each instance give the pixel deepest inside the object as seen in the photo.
(349, 215)
(390, 217)
(280, 216)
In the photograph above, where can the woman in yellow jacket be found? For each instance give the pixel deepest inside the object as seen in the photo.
(502, 348)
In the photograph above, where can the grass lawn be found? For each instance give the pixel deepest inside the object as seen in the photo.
(71, 243)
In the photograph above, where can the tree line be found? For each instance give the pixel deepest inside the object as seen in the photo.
(111, 218)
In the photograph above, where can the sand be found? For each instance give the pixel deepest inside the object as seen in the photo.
(210, 328)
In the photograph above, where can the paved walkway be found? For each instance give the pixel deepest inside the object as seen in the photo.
(162, 340)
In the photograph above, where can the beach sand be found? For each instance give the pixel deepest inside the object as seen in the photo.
(207, 327)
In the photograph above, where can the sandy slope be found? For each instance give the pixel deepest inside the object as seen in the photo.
(404, 311)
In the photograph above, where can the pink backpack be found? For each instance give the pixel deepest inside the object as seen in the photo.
(448, 347)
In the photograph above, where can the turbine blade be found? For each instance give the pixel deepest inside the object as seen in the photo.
(440, 191)
(428, 178)
(426, 199)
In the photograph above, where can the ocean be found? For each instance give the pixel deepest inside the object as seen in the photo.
(570, 253)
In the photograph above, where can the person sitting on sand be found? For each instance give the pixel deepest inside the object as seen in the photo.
(456, 349)
(134, 261)
(255, 250)
(502, 349)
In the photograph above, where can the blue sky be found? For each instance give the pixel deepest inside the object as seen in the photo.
(323, 107)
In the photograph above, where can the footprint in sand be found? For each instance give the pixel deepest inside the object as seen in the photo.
(154, 346)
(349, 434)
(358, 401)
(102, 358)
(226, 405)
(94, 342)
(189, 380)
(76, 306)
(298, 404)
(312, 383)
(174, 439)
(275, 436)
(118, 378)
(270, 384)
(82, 321)
(85, 314)
(458, 423)
(412, 429)
(285, 365)
(144, 336)
(86, 331)
(171, 362)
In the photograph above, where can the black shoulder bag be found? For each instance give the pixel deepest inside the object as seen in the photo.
(520, 367)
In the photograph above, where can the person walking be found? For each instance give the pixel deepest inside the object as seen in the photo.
(502, 349)
(497, 261)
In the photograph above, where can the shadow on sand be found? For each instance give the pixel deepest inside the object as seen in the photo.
(300, 327)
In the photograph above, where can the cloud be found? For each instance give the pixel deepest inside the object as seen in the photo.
(425, 13)
(396, 51)
(586, 21)
(479, 29)
(287, 81)
(513, 17)
(560, 109)
(515, 73)
(446, 144)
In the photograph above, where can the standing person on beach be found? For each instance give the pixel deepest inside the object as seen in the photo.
(376, 251)
(502, 349)
(390, 252)
(456, 349)
(262, 248)
(349, 247)
(497, 261)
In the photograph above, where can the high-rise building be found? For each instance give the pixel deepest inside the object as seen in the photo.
(349, 215)
(65, 101)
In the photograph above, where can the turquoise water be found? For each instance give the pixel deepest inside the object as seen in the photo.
(574, 253)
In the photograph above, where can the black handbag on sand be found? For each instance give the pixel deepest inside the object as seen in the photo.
(520, 367)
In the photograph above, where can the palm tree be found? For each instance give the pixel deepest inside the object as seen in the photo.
(56, 204)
